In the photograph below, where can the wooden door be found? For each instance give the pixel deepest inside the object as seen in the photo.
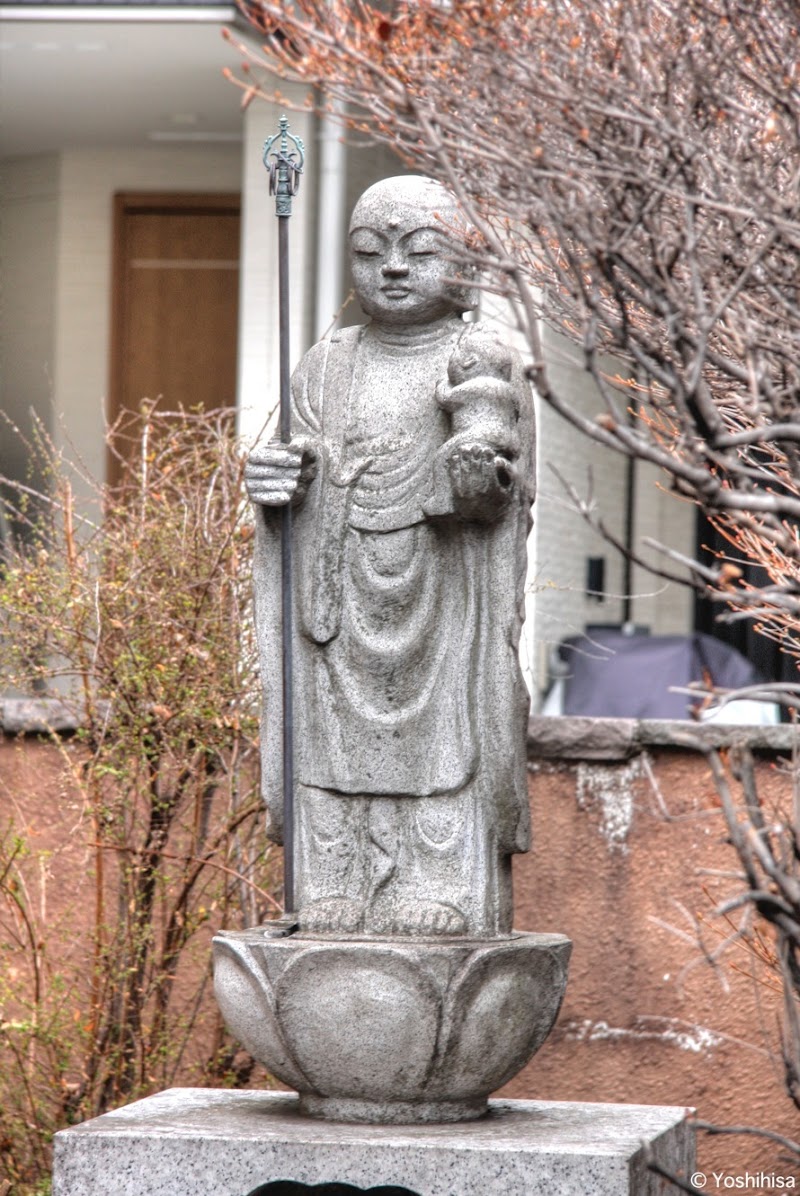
(175, 303)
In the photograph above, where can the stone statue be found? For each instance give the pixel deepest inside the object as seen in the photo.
(411, 473)
(410, 470)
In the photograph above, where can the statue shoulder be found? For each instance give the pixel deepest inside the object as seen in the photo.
(348, 336)
(325, 366)
(483, 342)
(314, 360)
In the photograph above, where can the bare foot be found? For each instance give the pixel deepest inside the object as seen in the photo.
(415, 917)
(331, 915)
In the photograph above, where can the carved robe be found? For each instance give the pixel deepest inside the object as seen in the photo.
(407, 680)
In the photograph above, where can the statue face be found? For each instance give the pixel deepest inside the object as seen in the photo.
(402, 259)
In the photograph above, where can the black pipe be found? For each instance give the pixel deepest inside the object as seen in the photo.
(627, 563)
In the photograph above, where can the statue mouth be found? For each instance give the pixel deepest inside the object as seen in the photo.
(396, 292)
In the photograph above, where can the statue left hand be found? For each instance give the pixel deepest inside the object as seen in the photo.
(482, 480)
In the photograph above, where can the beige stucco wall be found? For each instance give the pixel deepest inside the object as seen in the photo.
(56, 251)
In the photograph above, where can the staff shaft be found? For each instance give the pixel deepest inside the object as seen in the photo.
(286, 574)
(285, 165)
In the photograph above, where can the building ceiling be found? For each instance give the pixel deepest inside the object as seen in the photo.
(138, 77)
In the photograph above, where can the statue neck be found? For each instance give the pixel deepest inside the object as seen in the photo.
(415, 334)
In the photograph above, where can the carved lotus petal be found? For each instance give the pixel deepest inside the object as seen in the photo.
(391, 1030)
(377, 1014)
(245, 997)
(500, 1010)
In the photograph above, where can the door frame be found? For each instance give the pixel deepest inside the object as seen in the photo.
(130, 203)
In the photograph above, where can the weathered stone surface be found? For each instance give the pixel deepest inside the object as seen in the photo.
(197, 1142)
(389, 1030)
(571, 737)
(410, 472)
(779, 738)
(31, 716)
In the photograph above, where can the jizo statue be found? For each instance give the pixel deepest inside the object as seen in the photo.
(409, 469)
(410, 472)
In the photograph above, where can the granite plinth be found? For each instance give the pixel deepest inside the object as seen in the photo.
(207, 1142)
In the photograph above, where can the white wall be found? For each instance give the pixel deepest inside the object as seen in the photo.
(563, 539)
(661, 516)
(28, 252)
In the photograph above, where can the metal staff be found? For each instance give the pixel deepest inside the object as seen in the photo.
(285, 165)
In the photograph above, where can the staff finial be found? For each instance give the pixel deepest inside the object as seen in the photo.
(285, 166)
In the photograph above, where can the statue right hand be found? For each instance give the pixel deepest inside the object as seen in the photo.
(278, 473)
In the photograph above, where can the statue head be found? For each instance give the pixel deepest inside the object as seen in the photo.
(404, 236)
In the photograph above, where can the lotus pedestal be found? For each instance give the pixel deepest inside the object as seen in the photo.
(390, 1030)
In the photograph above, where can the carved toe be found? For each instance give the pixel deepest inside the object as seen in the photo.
(416, 918)
(332, 915)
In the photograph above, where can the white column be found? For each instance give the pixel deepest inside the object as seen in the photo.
(330, 225)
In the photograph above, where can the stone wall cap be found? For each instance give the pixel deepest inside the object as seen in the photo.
(39, 716)
(569, 737)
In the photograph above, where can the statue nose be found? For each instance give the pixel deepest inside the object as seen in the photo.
(394, 266)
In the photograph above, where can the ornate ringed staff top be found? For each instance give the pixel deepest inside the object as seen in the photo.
(285, 165)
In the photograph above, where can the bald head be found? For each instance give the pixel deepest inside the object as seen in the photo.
(404, 234)
(407, 196)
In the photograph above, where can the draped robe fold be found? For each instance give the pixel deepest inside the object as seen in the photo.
(406, 674)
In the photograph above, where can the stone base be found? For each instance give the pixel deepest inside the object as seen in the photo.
(390, 1030)
(208, 1142)
(392, 1112)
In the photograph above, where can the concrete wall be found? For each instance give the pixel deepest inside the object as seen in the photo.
(630, 858)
